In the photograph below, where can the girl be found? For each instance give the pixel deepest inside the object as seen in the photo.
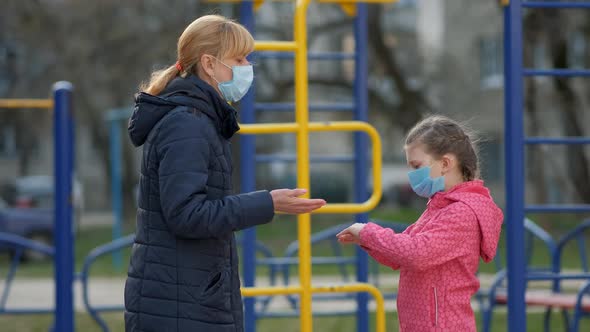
(183, 274)
(439, 254)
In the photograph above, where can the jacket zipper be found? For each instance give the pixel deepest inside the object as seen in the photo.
(435, 308)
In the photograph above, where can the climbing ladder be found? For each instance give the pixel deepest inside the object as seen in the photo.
(515, 142)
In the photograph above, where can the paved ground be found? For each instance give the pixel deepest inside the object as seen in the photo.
(96, 218)
(39, 293)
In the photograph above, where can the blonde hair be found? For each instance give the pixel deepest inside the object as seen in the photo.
(211, 34)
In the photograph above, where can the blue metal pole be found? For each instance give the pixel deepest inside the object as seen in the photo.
(556, 4)
(63, 239)
(360, 150)
(72, 167)
(248, 183)
(116, 194)
(514, 150)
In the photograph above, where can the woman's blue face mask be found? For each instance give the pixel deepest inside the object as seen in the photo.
(423, 185)
(236, 88)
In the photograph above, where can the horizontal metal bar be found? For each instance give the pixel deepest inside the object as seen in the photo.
(552, 208)
(351, 208)
(269, 158)
(27, 311)
(290, 107)
(356, 1)
(314, 260)
(555, 4)
(376, 150)
(279, 46)
(26, 103)
(234, 1)
(257, 291)
(324, 1)
(268, 128)
(16, 241)
(557, 72)
(108, 308)
(557, 140)
(348, 288)
(310, 56)
(297, 314)
(558, 276)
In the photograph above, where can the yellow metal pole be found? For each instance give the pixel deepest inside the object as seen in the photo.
(350, 208)
(268, 128)
(350, 288)
(258, 291)
(26, 103)
(301, 128)
(356, 1)
(376, 149)
(278, 46)
(357, 288)
(302, 120)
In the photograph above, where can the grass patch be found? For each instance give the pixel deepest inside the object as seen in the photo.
(283, 231)
(86, 240)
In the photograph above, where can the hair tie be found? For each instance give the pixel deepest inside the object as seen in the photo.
(178, 66)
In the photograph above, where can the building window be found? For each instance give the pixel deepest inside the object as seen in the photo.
(491, 60)
(7, 142)
(4, 63)
(491, 158)
(577, 50)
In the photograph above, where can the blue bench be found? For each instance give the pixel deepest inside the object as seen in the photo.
(555, 297)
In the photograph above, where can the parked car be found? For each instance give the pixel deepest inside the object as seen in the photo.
(27, 209)
(32, 223)
(37, 192)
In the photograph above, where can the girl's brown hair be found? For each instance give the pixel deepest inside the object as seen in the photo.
(211, 34)
(441, 135)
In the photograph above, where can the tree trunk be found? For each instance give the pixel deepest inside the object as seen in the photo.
(577, 163)
(413, 104)
(537, 175)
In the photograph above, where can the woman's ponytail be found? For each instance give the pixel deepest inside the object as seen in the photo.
(159, 80)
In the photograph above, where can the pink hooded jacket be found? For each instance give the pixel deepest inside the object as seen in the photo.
(438, 257)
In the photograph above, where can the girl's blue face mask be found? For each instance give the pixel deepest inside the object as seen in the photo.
(423, 185)
(236, 88)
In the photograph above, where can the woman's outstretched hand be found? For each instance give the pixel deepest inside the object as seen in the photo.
(351, 234)
(288, 201)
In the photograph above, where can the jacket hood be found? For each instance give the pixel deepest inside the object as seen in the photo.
(147, 112)
(189, 92)
(489, 215)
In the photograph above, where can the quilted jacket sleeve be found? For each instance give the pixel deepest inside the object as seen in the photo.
(444, 239)
(183, 153)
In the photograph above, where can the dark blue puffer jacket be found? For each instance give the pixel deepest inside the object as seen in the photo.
(183, 273)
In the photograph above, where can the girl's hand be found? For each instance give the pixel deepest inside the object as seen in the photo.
(351, 234)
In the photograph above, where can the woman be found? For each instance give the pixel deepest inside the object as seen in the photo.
(183, 273)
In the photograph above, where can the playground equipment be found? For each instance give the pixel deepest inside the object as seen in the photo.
(63, 254)
(301, 128)
(517, 274)
(554, 298)
(515, 144)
